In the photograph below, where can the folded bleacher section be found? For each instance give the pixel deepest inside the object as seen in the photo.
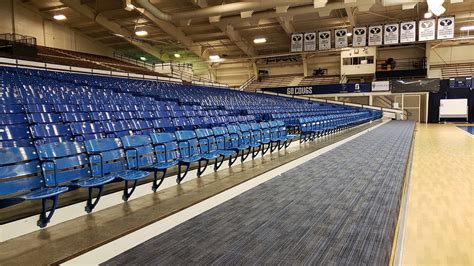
(64, 131)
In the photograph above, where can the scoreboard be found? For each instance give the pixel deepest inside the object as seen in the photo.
(460, 83)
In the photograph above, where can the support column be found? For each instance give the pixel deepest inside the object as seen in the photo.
(255, 69)
(371, 100)
(305, 65)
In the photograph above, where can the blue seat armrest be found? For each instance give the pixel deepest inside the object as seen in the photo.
(136, 155)
(90, 154)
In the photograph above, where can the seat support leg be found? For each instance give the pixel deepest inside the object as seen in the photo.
(255, 151)
(274, 147)
(90, 204)
(157, 184)
(244, 155)
(218, 163)
(264, 150)
(126, 193)
(232, 159)
(287, 143)
(201, 168)
(44, 216)
(182, 175)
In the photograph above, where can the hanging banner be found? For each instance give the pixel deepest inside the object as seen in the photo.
(340, 40)
(359, 36)
(324, 40)
(375, 35)
(426, 30)
(408, 31)
(390, 34)
(297, 42)
(445, 28)
(310, 41)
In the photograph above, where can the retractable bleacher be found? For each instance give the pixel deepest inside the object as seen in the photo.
(61, 131)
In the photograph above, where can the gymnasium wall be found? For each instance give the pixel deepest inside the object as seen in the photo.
(22, 20)
(457, 53)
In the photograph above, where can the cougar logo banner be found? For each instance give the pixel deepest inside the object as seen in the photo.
(341, 38)
(324, 40)
(297, 42)
(407, 32)
(445, 28)
(375, 35)
(310, 41)
(359, 36)
(426, 30)
(391, 34)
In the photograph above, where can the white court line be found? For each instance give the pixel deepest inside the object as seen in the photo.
(116, 247)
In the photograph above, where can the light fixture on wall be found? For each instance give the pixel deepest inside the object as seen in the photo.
(466, 28)
(177, 55)
(214, 57)
(141, 33)
(142, 58)
(259, 40)
(428, 15)
(349, 34)
(129, 6)
(60, 17)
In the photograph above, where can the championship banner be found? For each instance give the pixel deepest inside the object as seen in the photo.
(445, 28)
(340, 36)
(310, 41)
(297, 42)
(390, 34)
(408, 32)
(359, 36)
(426, 30)
(324, 40)
(375, 35)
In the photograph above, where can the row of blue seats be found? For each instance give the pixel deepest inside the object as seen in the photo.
(45, 171)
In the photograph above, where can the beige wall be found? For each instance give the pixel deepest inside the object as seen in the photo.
(46, 32)
(460, 53)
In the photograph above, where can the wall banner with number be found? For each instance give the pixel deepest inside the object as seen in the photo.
(375, 35)
(324, 40)
(426, 30)
(408, 31)
(359, 36)
(297, 42)
(390, 34)
(340, 36)
(445, 28)
(310, 41)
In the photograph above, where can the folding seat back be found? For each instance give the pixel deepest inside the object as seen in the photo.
(106, 156)
(63, 163)
(47, 133)
(67, 108)
(11, 109)
(15, 136)
(39, 108)
(145, 115)
(223, 140)
(75, 117)
(87, 130)
(183, 123)
(126, 115)
(166, 147)
(207, 141)
(256, 132)
(116, 128)
(13, 119)
(44, 118)
(20, 172)
(101, 116)
(232, 119)
(162, 114)
(188, 143)
(163, 125)
(144, 127)
(139, 151)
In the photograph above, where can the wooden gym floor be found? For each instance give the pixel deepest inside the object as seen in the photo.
(439, 225)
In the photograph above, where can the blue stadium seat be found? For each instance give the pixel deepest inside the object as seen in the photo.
(47, 133)
(163, 125)
(190, 152)
(21, 179)
(108, 159)
(247, 137)
(143, 127)
(87, 130)
(116, 129)
(67, 164)
(15, 136)
(209, 145)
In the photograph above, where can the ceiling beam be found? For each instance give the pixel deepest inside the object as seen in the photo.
(286, 24)
(351, 16)
(233, 35)
(88, 12)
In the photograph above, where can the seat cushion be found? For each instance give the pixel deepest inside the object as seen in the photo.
(44, 193)
(226, 152)
(132, 174)
(95, 181)
(211, 156)
(164, 165)
(191, 159)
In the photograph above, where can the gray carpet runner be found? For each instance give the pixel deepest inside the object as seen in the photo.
(340, 208)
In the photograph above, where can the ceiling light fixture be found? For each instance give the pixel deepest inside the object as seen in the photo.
(177, 55)
(60, 17)
(214, 57)
(436, 7)
(259, 40)
(141, 33)
(142, 58)
(466, 28)
(428, 15)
